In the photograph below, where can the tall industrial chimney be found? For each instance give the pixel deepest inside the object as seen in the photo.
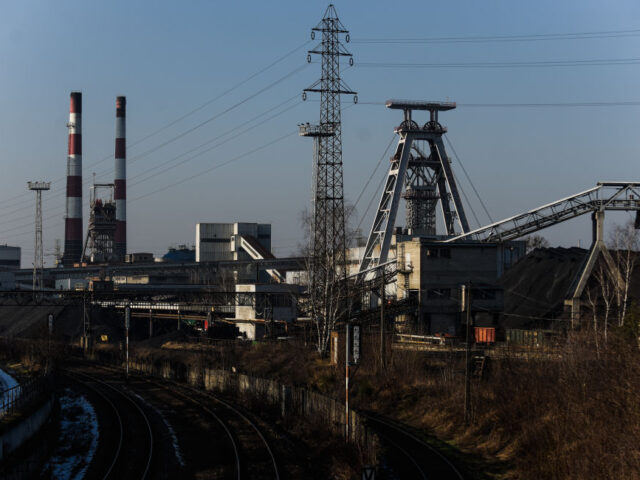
(73, 218)
(120, 193)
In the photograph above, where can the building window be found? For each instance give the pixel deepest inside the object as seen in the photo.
(439, 252)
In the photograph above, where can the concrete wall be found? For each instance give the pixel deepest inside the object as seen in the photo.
(17, 435)
(294, 403)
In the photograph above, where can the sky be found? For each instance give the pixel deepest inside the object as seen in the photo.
(214, 99)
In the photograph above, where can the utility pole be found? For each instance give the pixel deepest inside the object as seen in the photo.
(466, 304)
(38, 256)
(346, 378)
(127, 322)
(328, 239)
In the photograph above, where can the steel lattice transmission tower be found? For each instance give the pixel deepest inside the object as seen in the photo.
(328, 240)
(38, 256)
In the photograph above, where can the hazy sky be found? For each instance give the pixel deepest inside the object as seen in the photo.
(170, 58)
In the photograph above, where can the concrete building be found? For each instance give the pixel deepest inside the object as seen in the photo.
(215, 242)
(7, 281)
(260, 304)
(432, 273)
(9, 257)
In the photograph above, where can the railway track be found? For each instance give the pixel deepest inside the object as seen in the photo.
(129, 439)
(228, 444)
(410, 456)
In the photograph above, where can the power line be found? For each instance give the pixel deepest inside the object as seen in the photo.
(502, 38)
(374, 170)
(61, 192)
(215, 167)
(226, 92)
(468, 178)
(58, 210)
(218, 115)
(513, 64)
(531, 104)
(155, 172)
(179, 119)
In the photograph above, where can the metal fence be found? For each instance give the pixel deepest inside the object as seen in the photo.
(15, 399)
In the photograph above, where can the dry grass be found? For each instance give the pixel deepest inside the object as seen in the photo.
(569, 416)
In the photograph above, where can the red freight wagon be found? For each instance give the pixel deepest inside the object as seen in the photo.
(485, 334)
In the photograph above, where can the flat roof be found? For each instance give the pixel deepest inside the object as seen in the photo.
(420, 105)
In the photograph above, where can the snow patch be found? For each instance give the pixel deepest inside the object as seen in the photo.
(7, 382)
(78, 438)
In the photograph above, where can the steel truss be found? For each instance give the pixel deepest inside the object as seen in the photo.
(623, 196)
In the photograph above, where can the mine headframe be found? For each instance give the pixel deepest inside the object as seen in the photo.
(420, 167)
(100, 241)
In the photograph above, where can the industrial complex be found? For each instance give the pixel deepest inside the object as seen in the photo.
(231, 274)
(420, 346)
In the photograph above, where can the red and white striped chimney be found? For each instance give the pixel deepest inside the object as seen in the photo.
(73, 217)
(120, 193)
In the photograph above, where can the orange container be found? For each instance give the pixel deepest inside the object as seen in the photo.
(485, 334)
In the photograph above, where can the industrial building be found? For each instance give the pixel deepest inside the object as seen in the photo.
(9, 257)
(263, 306)
(432, 273)
(215, 242)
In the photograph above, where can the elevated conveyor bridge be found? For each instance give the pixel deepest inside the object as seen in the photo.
(624, 196)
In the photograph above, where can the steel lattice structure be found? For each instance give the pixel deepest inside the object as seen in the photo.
(421, 166)
(100, 243)
(623, 196)
(38, 257)
(328, 241)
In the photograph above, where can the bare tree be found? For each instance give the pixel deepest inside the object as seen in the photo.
(329, 297)
(536, 241)
(592, 298)
(625, 242)
(608, 294)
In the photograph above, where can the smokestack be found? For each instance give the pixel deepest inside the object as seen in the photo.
(120, 193)
(73, 217)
